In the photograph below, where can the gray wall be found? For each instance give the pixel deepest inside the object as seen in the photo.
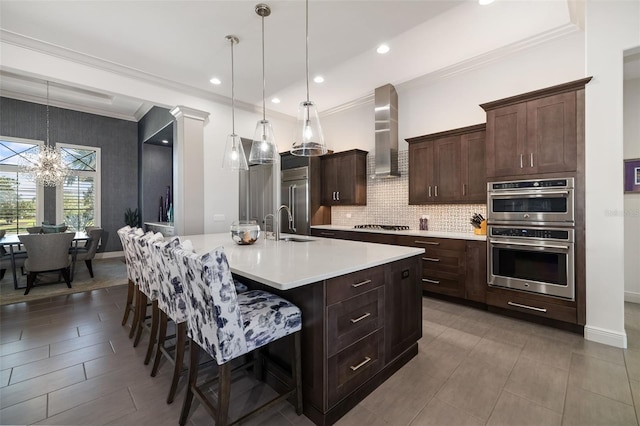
(117, 139)
(157, 173)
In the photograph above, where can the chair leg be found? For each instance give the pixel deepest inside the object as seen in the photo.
(89, 267)
(224, 394)
(127, 307)
(30, 280)
(2, 271)
(181, 342)
(162, 337)
(155, 317)
(136, 312)
(296, 371)
(66, 276)
(194, 360)
(141, 317)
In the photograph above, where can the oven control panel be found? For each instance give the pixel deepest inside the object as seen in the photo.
(538, 233)
(532, 184)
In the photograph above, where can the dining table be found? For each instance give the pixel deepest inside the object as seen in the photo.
(12, 242)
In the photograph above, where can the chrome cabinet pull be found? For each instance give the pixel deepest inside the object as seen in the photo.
(431, 259)
(531, 159)
(464, 189)
(520, 160)
(360, 318)
(436, 189)
(334, 195)
(427, 280)
(431, 243)
(355, 285)
(355, 367)
(533, 308)
(429, 190)
(330, 234)
(338, 195)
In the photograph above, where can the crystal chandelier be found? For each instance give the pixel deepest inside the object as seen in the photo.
(47, 166)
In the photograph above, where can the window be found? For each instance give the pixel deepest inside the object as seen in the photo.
(20, 197)
(78, 199)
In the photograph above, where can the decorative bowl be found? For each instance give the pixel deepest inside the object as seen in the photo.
(245, 232)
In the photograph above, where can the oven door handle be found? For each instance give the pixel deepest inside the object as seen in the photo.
(532, 194)
(543, 246)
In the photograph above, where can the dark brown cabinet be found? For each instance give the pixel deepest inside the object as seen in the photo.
(536, 132)
(476, 280)
(344, 180)
(448, 167)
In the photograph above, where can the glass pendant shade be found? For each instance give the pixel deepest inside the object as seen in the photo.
(234, 158)
(263, 148)
(309, 140)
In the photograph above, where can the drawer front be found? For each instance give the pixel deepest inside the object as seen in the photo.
(433, 243)
(444, 260)
(353, 366)
(354, 284)
(539, 308)
(437, 284)
(354, 318)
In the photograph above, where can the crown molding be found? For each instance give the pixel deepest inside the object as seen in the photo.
(364, 100)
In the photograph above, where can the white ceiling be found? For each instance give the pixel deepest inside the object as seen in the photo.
(182, 44)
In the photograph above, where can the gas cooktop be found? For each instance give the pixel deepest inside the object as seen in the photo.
(385, 227)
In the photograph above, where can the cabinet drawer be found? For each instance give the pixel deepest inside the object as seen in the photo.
(443, 285)
(353, 366)
(443, 260)
(434, 243)
(354, 318)
(545, 309)
(350, 285)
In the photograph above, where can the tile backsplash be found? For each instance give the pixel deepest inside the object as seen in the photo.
(387, 204)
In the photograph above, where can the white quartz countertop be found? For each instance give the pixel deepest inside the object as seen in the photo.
(285, 264)
(411, 232)
(166, 224)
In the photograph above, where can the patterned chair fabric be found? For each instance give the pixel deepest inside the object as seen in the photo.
(126, 234)
(227, 325)
(171, 299)
(147, 281)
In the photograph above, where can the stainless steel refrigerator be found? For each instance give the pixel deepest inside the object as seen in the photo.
(295, 195)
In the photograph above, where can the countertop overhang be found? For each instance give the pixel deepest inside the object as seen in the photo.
(286, 264)
(410, 232)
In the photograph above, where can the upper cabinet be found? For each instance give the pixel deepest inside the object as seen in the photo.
(536, 132)
(344, 180)
(448, 167)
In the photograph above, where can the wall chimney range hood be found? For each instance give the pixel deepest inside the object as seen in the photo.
(386, 125)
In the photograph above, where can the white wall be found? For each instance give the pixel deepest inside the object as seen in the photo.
(611, 27)
(427, 105)
(221, 187)
(631, 149)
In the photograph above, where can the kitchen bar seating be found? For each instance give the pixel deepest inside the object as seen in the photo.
(227, 325)
(127, 248)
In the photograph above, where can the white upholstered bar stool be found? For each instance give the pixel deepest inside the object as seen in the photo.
(123, 233)
(227, 325)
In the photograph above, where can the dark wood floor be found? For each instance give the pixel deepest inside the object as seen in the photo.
(67, 360)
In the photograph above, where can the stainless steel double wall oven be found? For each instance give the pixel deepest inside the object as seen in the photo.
(531, 236)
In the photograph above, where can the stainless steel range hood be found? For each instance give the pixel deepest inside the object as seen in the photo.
(386, 116)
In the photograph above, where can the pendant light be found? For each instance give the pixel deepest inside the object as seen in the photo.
(308, 140)
(263, 148)
(234, 158)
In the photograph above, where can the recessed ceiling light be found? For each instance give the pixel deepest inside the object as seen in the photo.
(382, 49)
(275, 100)
(165, 141)
(215, 81)
(318, 79)
(484, 2)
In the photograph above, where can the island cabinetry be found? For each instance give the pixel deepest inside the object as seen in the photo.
(443, 264)
(536, 132)
(448, 167)
(344, 180)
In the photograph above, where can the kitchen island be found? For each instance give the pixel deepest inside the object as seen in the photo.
(361, 310)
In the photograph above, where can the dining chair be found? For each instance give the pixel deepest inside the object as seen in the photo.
(5, 260)
(88, 251)
(227, 325)
(45, 253)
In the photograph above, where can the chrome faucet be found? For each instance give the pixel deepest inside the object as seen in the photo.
(276, 221)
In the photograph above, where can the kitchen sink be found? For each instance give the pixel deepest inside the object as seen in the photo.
(296, 240)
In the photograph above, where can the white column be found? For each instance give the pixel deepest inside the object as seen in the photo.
(188, 170)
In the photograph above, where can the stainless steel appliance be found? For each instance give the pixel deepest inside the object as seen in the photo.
(534, 259)
(532, 202)
(294, 193)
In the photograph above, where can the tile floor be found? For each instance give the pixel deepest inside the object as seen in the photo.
(68, 361)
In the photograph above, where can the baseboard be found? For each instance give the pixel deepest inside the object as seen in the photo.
(631, 296)
(606, 337)
(109, 254)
